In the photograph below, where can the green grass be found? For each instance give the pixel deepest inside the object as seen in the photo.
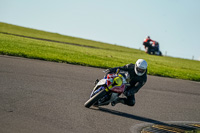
(101, 55)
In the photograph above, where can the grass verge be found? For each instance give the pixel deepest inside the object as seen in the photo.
(98, 54)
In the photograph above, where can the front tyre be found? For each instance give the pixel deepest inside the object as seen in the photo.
(95, 98)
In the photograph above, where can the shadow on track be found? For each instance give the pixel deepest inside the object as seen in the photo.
(130, 116)
(148, 120)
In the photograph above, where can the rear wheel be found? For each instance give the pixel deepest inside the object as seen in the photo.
(160, 53)
(95, 98)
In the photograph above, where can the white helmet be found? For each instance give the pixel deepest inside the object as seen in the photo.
(140, 67)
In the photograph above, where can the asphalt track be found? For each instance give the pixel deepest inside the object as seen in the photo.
(46, 97)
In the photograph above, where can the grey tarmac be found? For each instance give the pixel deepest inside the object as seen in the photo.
(46, 97)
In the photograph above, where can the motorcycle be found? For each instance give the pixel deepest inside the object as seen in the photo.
(108, 89)
(153, 48)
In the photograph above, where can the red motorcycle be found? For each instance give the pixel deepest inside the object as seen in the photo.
(107, 90)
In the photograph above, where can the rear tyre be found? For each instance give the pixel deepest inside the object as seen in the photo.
(160, 53)
(95, 98)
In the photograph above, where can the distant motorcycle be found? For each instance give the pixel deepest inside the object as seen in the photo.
(107, 90)
(152, 48)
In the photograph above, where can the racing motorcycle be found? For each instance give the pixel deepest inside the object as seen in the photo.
(153, 48)
(108, 89)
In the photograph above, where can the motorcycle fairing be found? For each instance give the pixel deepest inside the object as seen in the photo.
(106, 84)
(118, 89)
(100, 83)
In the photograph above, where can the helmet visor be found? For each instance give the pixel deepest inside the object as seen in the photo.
(139, 70)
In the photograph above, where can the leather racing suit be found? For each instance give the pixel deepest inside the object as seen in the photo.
(136, 82)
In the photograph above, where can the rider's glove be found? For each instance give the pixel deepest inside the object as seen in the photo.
(111, 70)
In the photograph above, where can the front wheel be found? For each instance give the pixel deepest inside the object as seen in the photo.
(95, 98)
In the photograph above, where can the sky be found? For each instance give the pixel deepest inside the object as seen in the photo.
(175, 24)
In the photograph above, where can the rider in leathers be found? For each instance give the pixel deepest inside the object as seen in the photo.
(138, 77)
(147, 43)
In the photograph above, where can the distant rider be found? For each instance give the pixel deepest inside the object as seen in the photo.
(147, 43)
(138, 77)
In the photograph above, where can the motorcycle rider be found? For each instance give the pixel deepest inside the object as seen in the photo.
(146, 42)
(138, 77)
